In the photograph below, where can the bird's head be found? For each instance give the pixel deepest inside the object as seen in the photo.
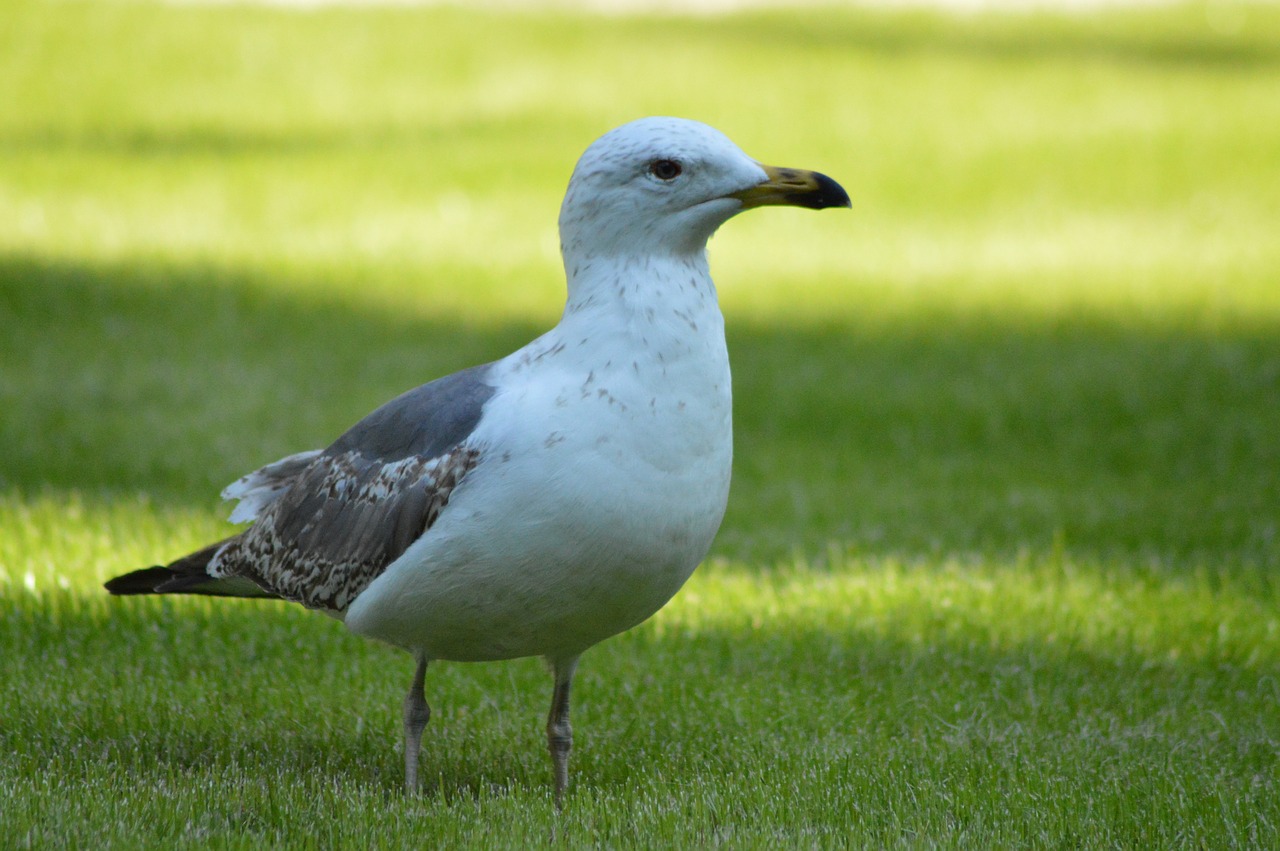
(663, 185)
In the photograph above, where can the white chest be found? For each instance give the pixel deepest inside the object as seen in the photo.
(607, 451)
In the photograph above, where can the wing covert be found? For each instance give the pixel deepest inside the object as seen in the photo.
(356, 507)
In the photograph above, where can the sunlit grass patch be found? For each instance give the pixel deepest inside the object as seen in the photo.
(64, 542)
(851, 700)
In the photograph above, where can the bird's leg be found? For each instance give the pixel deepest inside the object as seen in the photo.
(559, 734)
(416, 715)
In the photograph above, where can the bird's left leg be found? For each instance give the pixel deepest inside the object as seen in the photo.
(416, 715)
(559, 733)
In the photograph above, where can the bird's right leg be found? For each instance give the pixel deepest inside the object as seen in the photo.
(416, 715)
(559, 733)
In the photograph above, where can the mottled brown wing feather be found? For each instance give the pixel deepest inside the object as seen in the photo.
(341, 523)
(347, 513)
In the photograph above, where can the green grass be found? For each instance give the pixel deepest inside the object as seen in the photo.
(1000, 562)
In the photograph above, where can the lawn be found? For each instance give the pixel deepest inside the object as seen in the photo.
(1001, 563)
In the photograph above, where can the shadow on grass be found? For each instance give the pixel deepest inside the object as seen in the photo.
(223, 141)
(914, 438)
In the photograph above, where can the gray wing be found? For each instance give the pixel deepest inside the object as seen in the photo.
(353, 509)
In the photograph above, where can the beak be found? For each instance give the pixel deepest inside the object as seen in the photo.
(794, 187)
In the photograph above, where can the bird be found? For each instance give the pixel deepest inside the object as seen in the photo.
(541, 503)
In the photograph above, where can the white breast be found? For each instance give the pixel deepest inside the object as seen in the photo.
(607, 456)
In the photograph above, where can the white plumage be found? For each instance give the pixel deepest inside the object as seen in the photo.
(544, 502)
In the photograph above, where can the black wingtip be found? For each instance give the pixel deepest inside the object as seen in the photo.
(143, 581)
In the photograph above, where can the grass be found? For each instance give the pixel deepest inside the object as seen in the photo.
(999, 567)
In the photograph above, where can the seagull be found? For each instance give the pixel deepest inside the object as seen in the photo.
(541, 503)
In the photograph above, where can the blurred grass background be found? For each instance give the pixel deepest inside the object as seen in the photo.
(999, 563)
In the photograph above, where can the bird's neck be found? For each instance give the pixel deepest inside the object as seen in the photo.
(663, 306)
(638, 286)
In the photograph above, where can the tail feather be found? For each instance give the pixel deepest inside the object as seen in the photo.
(143, 581)
(187, 575)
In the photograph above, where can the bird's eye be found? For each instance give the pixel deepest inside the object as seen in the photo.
(665, 169)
